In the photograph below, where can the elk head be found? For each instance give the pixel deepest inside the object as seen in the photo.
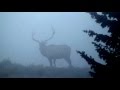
(43, 43)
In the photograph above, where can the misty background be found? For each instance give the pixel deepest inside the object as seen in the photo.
(16, 36)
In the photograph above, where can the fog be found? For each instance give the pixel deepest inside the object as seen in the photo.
(16, 36)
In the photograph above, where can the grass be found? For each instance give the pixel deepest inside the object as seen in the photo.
(10, 70)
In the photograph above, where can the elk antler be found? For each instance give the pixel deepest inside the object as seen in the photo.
(52, 34)
(34, 38)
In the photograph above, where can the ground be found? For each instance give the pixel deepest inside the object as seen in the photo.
(10, 70)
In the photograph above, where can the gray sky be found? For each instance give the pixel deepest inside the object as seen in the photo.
(16, 35)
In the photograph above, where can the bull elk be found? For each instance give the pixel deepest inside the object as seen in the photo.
(53, 52)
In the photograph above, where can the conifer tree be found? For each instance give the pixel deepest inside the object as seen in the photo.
(107, 46)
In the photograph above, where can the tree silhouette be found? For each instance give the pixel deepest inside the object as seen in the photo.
(107, 46)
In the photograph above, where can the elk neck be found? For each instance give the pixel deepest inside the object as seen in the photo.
(43, 48)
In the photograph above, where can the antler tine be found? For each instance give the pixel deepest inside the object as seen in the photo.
(52, 34)
(34, 38)
(53, 29)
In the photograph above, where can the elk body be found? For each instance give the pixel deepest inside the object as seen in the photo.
(53, 52)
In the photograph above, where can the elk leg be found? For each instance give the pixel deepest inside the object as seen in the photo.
(69, 61)
(50, 60)
(54, 62)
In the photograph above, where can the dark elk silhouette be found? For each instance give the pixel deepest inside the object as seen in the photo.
(53, 52)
